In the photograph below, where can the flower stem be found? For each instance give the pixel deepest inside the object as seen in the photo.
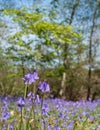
(26, 89)
(21, 119)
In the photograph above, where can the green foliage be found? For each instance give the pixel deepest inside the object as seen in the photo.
(54, 41)
(48, 46)
(55, 36)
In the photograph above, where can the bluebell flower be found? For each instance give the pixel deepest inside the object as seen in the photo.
(21, 102)
(45, 109)
(31, 96)
(98, 127)
(70, 126)
(5, 115)
(4, 128)
(35, 75)
(57, 128)
(30, 78)
(49, 127)
(37, 100)
(44, 87)
(60, 114)
(26, 78)
(91, 119)
(5, 102)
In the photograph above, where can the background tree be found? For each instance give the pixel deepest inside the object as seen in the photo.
(45, 46)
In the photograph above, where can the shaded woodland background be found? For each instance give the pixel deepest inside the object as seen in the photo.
(61, 39)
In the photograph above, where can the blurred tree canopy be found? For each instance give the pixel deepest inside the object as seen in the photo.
(53, 40)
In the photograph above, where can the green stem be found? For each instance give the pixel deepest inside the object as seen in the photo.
(21, 119)
(30, 114)
(26, 89)
(41, 111)
(41, 106)
(42, 118)
(33, 103)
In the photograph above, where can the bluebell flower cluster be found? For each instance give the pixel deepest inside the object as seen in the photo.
(44, 87)
(30, 78)
(49, 114)
(45, 109)
(21, 102)
(5, 115)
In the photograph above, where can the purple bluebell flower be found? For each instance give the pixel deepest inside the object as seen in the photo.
(26, 78)
(98, 127)
(31, 96)
(30, 78)
(45, 109)
(11, 127)
(91, 119)
(5, 115)
(66, 118)
(6, 102)
(70, 126)
(57, 128)
(44, 87)
(4, 128)
(49, 127)
(35, 74)
(60, 114)
(37, 100)
(21, 102)
(58, 106)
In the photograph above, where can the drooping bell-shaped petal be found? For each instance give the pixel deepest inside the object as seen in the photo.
(21, 102)
(31, 96)
(44, 87)
(35, 75)
(49, 127)
(57, 128)
(5, 115)
(45, 109)
(38, 99)
(30, 78)
(26, 78)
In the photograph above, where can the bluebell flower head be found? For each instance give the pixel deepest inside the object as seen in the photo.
(49, 127)
(21, 102)
(31, 96)
(98, 127)
(4, 128)
(37, 100)
(35, 74)
(91, 119)
(70, 125)
(26, 78)
(60, 114)
(44, 87)
(45, 109)
(30, 78)
(57, 128)
(5, 115)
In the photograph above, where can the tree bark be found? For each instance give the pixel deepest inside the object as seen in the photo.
(66, 59)
(90, 55)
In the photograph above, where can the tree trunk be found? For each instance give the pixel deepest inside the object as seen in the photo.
(90, 56)
(93, 96)
(63, 87)
(66, 60)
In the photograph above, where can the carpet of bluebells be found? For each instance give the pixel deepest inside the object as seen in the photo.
(35, 112)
